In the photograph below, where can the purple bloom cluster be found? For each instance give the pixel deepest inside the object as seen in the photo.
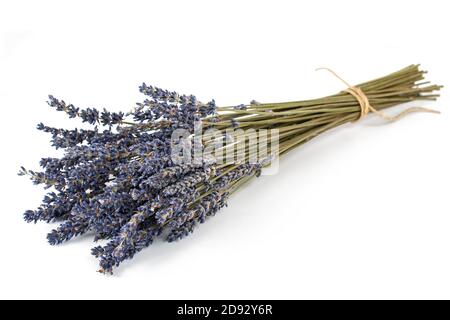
(89, 115)
(121, 184)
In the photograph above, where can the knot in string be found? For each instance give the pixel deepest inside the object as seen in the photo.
(365, 106)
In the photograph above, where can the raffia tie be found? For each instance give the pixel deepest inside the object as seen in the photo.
(365, 104)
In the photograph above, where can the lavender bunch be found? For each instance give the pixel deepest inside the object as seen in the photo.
(120, 180)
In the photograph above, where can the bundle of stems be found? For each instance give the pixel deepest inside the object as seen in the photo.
(125, 186)
(299, 121)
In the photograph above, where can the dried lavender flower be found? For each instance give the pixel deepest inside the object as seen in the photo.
(121, 183)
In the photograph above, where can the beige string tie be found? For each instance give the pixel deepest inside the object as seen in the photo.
(365, 104)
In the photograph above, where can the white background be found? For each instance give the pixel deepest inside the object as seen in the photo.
(361, 212)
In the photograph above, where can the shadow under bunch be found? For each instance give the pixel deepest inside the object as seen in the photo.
(122, 184)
